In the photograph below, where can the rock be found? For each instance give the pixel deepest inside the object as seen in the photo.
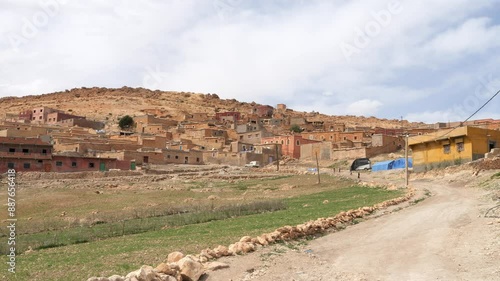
(213, 266)
(168, 268)
(326, 202)
(166, 277)
(262, 240)
(145, 273)
(212, 197)
(246, 239)
(174, 257)
(221, 251)
(191, 270)
(98, 279)
(116, 278)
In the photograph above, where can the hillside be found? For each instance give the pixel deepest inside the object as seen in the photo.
(103, 104)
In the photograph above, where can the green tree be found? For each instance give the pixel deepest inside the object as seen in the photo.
(126, 122)
(295, 128)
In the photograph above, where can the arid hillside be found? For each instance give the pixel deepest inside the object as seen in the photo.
(103, 104)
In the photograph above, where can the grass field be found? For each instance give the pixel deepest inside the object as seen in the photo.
(120, 255)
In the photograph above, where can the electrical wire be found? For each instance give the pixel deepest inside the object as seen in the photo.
(461, 123)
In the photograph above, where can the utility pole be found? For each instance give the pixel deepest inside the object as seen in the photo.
(317, 168)
(277, 157)
(407, 176)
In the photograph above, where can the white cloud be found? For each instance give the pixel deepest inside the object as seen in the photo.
(260, 51)
(364, 107)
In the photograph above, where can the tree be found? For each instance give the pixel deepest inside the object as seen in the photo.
(295, 128)
(126, 122)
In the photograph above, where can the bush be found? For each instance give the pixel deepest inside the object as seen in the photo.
(126, 122)
(295, 128)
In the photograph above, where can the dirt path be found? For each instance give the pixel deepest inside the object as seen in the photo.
(441, 238)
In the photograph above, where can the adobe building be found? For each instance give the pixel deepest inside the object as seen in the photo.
(230, 116)
(262, 110)
(39, 114)
(24, 154)
(451, 147)
(290, 144)
(35, 155)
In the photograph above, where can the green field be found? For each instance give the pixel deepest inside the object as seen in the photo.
(122, 254)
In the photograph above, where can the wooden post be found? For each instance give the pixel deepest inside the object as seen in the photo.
(277, 157)
(407, 175)
(317, 168)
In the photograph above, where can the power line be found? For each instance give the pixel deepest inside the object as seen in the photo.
(461, 123)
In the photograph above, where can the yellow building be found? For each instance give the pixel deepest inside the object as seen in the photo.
(451, 147)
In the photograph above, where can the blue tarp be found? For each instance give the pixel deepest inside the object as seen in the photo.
(382, 166)
(400, 163)
(391, 165)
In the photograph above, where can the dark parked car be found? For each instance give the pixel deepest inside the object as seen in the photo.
(361, 164)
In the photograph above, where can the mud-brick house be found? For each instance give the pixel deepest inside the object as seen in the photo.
(36, 155)
(24, 154)
(290, 144)
(451, 146)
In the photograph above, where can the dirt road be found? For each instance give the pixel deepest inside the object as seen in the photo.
(441, 238)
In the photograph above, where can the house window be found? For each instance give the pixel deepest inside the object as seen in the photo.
(34, 118)
(26, 165)
(34, 111)
(26, 151)
(10, 165)
(355, 138)
(282, 142)
(176, 157)
(197, 159)
(168, 156)
(40, 161)
(40, 117)
(298, 142)
(91, 165)
(73, 164)
(345, 138)
(331, 137)
(44, 151)
(460, 146)
(12, 150)
(256, 135)
(446, 149)
(59, 163)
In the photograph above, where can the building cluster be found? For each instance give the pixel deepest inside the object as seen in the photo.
(46, 139)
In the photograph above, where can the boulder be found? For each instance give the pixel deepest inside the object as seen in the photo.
(166, 277)
(191, 270)
(116, 278)
(145, 273)
(174, 257)
(221, 251)
(262, 240)
(168, 268)
(246, 239)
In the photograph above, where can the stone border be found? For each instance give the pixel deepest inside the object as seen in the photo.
(178, 267)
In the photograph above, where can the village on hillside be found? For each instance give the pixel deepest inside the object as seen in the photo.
(45, 139)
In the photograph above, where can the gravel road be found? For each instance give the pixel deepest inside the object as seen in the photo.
(444, 237)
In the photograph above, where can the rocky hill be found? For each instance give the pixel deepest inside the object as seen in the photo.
(103, 104)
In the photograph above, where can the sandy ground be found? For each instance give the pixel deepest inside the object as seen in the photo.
(444, 237)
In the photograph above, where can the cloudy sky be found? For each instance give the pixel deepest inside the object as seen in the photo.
(427, 60)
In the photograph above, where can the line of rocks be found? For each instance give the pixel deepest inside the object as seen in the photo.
(178, 267)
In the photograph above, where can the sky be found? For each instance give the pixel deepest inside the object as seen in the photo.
(428, 60)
